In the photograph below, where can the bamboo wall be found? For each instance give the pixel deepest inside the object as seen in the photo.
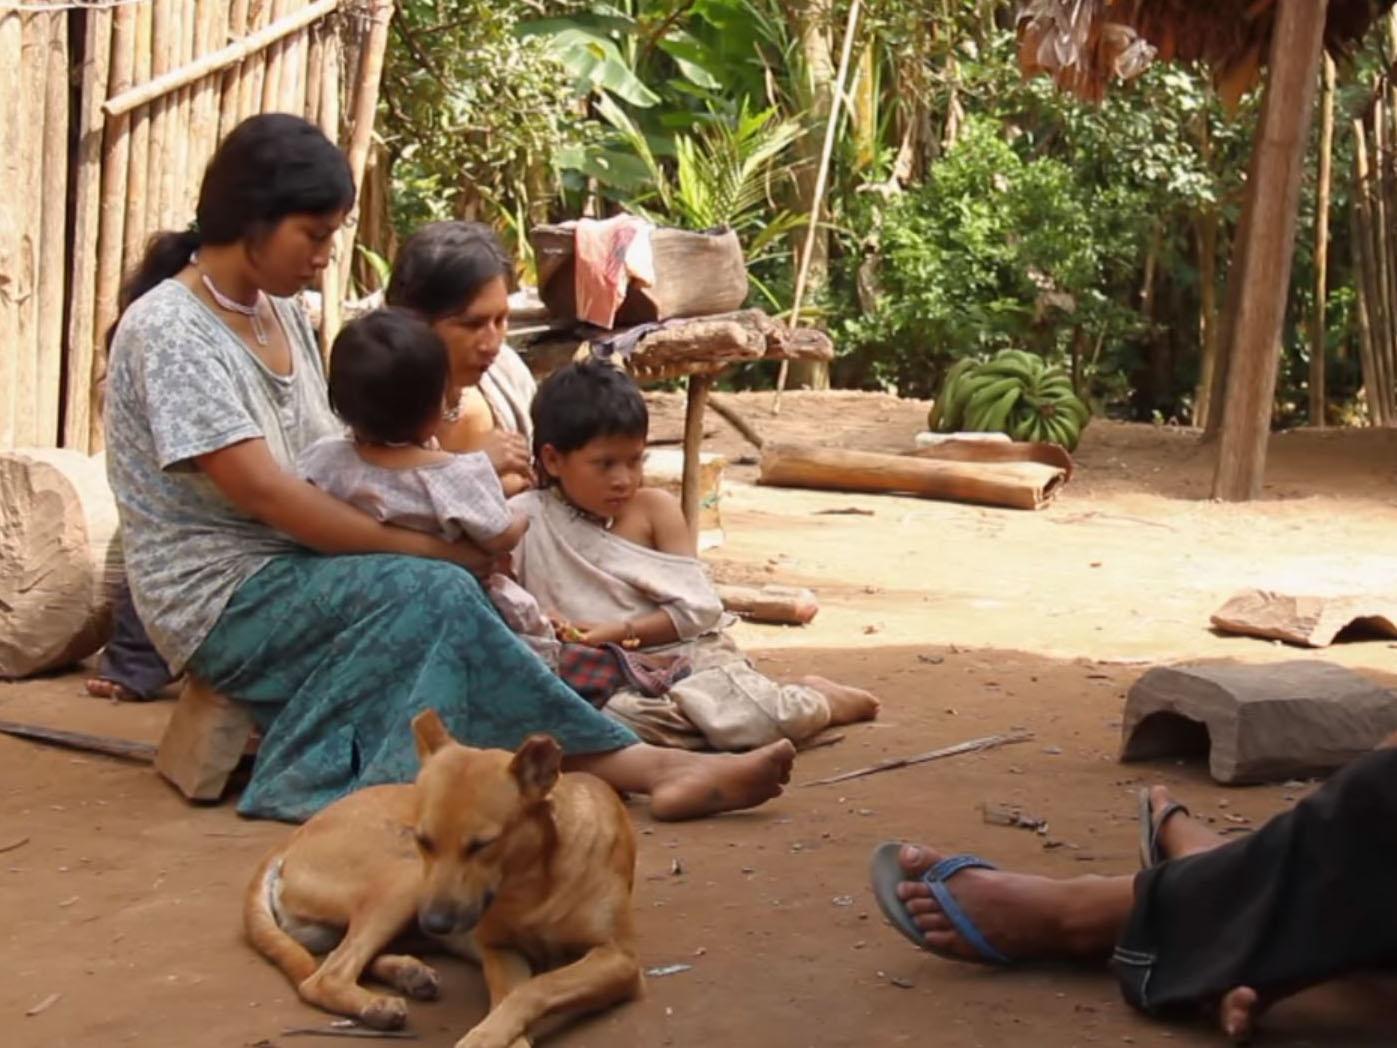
(98, 152)
(1375, 251)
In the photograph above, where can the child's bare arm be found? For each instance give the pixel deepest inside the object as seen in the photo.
(655, 519)
(509, 538)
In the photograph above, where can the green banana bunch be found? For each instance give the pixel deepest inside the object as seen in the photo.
(1015, 393)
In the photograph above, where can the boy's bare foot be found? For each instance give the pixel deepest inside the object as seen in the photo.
(1021, 916)
(709, 783)
(1238, 1013)
(101, 688)
(846, 705)
(1181, 833)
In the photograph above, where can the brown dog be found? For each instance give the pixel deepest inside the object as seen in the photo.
(495, 855)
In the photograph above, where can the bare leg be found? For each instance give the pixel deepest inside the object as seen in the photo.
(846, 705)
(1182, 834)
(1024, 917)
(1239, 1012)
(685, 785)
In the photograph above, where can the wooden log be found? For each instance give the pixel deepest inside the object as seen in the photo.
(12, 104)
(160, 162)
(331, 287)
(699, 385)
(735, 419)
(178, 210)
(1362, 266)
(1283, 132)
(1018, 485)
(276, 62)
(315, 71)
(82, 280)
(126, 749)
(207, 98)
(293, 81)
(1319, 333)
(778, 605)
(62, 565)
(138, 180)
(954, 450)
(230, 90)
(255, 64)
(33, 72)
(115, 166)
(362, 112)
(1382, 253)
(53, 246)
(204, 741)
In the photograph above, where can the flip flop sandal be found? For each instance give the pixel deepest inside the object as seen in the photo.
(1151, 826)
(887, 873)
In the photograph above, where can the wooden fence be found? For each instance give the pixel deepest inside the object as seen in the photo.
(109, 111)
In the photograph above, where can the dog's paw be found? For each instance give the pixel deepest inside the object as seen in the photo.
(385, 1013)
(418, 981)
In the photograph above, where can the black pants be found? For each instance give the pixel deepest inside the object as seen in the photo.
(1310, 896)
(130, 659)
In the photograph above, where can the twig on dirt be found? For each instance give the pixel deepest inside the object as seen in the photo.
(44, 1005)
(822, 741)
(13, 845)
(349, 1031)
(1078, 518)
(730, 413)
(125, 749)
(847, 511)
(989, 742)
(668, 969)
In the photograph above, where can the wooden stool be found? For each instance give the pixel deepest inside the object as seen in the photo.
(206, 737)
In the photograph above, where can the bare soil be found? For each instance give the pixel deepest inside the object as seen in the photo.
(124, 901)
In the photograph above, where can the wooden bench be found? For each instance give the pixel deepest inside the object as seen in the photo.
(207, 736)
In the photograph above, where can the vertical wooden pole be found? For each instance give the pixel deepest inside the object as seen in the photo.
(160, 166)
(362, 116)
(33, 78)
(118, 162)
(331, 286)
(179, 211)
(699, 385)
(315, 71)
(1292, 80)
(1363, 267)
(1318, 337)
(293, 82)
(213, 34)
(140, 185)
(13, 106)
(231, 89)
(82, 281)
(1377, 186)
(53, 241)
(271, 83)
(254, 68)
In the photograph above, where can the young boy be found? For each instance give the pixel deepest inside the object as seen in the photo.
(615, 563)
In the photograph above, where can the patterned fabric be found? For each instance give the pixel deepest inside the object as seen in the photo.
(457, 497)
(508, 388)
(599, 673)
(180, 385)
(334, 656)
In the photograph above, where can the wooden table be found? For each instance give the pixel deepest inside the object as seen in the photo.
(698, 350)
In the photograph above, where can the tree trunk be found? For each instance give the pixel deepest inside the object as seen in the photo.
(1207, 238)
(1282, 136)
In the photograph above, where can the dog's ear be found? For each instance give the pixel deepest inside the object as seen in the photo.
(536, 766)
(430, 733)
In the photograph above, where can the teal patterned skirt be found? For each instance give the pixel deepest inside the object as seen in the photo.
(334, 656)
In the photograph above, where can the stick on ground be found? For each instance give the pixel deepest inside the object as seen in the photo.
(989, 742)
(126, 749)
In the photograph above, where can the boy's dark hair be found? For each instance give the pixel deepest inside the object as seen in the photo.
(584, 401)
(443, 266)
(388, 375)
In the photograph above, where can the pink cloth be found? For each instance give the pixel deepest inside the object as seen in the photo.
(609, 254)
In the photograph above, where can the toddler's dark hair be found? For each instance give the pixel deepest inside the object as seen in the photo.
(388, 375)
(582, 402)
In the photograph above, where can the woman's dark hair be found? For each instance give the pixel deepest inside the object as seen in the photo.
(581, 402)
(270, 166)
(388, 374)
(443, 266)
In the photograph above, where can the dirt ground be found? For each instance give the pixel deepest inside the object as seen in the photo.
(124, 901)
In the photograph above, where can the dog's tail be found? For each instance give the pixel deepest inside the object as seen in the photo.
(263, 930)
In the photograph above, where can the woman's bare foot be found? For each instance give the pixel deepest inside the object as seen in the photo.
(1181, 833)
(846, 705)
(101, 688)
(1238, 1013)
(708, 783)
(1022, 916)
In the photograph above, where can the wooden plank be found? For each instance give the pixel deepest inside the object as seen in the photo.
(82, 280)
(1296, 45)
(12, 104)
(118, 162)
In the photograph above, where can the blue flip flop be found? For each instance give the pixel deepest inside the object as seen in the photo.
(887, 874)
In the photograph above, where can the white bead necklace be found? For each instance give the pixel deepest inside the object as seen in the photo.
(232, 305)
